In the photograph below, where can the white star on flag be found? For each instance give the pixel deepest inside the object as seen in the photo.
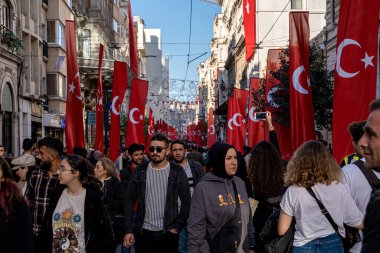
(100, 101)
(141, 117)
(367, 60)
(72, 87)
(247, 6)
(244, 121)
(308, 82)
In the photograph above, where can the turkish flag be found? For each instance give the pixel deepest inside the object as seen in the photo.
(135, 124)
(211, 135)
(355, 69)
(132, 43)
(74, 105)
(199, 133)
(118, 92)
(256, 128)
(236, 123)
(99, 136)
(249, 15)
(301, 100)
(282, 132)
(150, 129)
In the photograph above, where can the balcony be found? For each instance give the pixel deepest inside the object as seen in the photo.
(45, 50)
(45, 3)
(9, 38)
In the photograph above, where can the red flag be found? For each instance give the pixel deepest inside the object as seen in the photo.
(135, 124)
(301, 100)
(282, 132)
(74, 106)
(150, 129)
(236, 125)
(199, 133)
(132, 43)
(249, 9)
(256, 128)
(355, 70)
(99, 137)
(211, 135)
(118, 92)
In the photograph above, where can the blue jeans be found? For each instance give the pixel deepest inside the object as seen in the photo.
(328, 244)
(182, 243)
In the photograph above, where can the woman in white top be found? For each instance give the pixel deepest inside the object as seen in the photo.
(313, 166)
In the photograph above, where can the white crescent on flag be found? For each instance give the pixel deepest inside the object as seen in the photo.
(113, 105)
(341, 72)
(296, 80)
(131, 115)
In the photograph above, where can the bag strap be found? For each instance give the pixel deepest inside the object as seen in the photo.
(368, 173)
(323, 209)
(236, 197)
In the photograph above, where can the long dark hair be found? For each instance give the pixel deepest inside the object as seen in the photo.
(79, 164)
(266, 170)
(8, 190)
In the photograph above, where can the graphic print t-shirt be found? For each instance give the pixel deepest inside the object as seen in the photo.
(68, 224)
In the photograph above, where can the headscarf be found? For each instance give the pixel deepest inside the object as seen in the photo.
(216, 159)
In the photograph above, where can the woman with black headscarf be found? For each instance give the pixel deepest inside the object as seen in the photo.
(220, 217)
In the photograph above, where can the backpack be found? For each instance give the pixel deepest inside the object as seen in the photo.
(273, 243)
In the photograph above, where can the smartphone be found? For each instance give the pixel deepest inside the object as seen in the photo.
(260, 115)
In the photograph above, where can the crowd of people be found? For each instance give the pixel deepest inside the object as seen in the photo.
(171, 199)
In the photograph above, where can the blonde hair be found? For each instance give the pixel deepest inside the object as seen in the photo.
(312, 163)
(108, 166)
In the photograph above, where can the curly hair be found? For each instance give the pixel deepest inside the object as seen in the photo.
(312, 163)
(266, 170)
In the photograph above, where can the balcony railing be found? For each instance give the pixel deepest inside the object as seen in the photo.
(9, 38)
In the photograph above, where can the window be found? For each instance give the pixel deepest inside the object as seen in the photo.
(86, 43)
(56, 85)
(5, 14)
(56, 33)
(114, 25)
(296, 4)
(69, 3)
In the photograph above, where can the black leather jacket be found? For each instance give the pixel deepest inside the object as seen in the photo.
(178, 186)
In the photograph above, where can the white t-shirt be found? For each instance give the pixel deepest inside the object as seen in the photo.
(68, 223)
(310, 222)
(360, 190)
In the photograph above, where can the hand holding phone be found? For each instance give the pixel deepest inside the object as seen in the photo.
(260, 115)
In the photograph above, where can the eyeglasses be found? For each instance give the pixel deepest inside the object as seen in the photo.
(62, 169)
(158, 149)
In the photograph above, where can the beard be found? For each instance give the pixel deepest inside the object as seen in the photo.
(157, 159)
(46, 165)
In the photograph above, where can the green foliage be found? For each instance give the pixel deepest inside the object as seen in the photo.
(10, 39)
(322, 89)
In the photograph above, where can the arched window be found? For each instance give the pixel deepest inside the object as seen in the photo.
(5, 13)
(7, 98)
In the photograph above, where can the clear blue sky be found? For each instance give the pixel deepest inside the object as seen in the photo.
(173, 18)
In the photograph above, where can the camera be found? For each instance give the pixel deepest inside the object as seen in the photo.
(260, 115)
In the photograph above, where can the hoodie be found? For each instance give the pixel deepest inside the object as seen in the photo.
(212, 206)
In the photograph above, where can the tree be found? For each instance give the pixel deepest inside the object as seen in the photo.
(322, 89)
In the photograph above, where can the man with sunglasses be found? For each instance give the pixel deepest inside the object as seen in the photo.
(156, 186)
(42, 185)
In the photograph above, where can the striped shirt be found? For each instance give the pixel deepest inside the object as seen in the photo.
(155, 197)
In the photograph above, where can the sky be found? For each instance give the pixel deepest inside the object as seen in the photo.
(173, 18)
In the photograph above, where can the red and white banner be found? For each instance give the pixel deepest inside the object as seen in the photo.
(301, 100)
(74, 106)
(211, 134)
(99, 136)
(249, 15)
(135, 124)
(199, 134)
(118, 92)
(132, 43)
(282, 132)
(236, 123)
(151, 131)
(172, 133)
(256, 128)
(355, 69)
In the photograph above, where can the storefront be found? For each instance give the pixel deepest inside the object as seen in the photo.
(36, 122)
(54, 125)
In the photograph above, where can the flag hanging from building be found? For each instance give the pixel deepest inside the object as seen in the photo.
(249, 15)
(355, 69)
(99, 136)
(211, 134)
(118, 92)
(256, 128)
(74, 105)
(132, 43)
(151, 131)
(271, 88)
(135, 124)
(301, 100)
(236, 123)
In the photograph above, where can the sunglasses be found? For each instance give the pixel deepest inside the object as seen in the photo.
(158, 149)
